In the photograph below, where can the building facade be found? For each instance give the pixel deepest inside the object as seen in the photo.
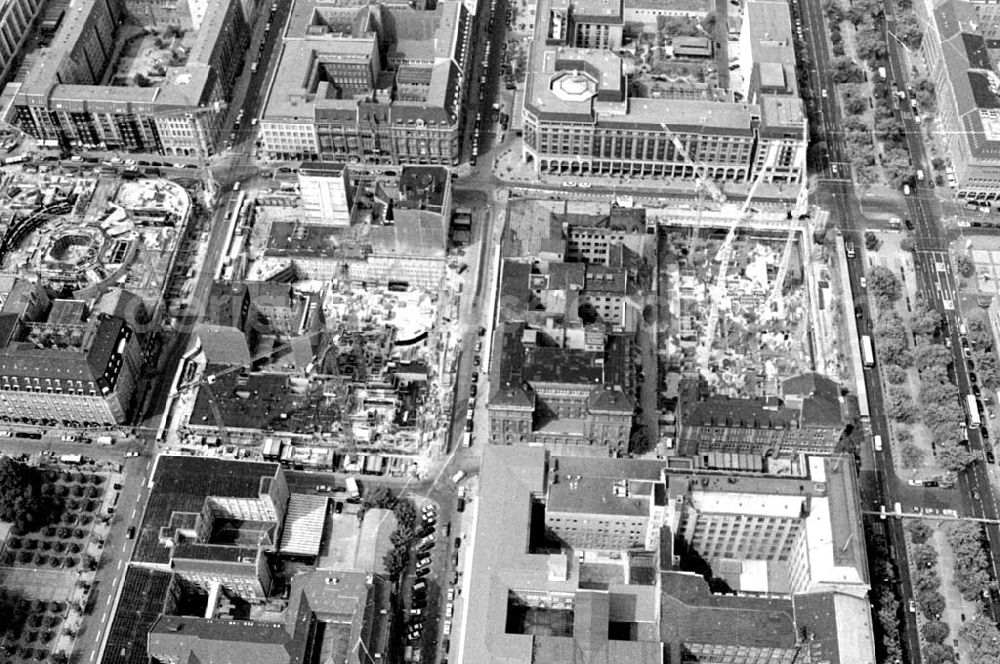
(582, 117)
(350, 106)
(965, 84)
(64, 102)
(756, 435)
(16, 19)
(78, 374)
(570, 399)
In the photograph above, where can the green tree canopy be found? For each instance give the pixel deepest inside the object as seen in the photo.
(984, 640)
(21, 502)
(965, 266)
(884, 285)
(899, 406)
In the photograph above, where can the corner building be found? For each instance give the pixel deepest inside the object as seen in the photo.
(371, 84)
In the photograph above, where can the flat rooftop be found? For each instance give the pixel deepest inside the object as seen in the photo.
(181, 484)
(317, 32)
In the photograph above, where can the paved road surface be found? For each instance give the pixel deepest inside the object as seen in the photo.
(878, 483)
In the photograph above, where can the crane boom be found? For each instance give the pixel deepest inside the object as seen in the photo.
(724, 255)
(786, 260)
(699, 176)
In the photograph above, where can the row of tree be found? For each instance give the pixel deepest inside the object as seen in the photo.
(21, 501)
(938, 397)
(883, 594)
(983, 349)
(971, 563)
(407, 527)
(971, 579)
(926, 583)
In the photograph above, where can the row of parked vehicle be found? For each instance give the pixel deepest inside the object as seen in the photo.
(418, 597)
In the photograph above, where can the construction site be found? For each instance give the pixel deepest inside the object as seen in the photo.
(744, 325)
(82, 237)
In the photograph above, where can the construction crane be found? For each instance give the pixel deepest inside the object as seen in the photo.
(699, 169)
(724, 256)
(786, 260)
(213, 405)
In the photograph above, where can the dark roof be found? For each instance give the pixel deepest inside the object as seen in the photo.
(515, 294)
(264, 401)
(508, 388)
(562, 365)
(215, 553)
(982, 91)
(84, 357)
(181, 484)
(190, 639)
(692, 614)
(720, 411)
(821, 404)
(140, 603)
(975, 51)
(816, 614)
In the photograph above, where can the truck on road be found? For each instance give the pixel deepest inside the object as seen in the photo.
(352, 488)
(72, 459)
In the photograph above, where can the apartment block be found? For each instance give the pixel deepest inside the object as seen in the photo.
(324, 190)
(573, 397)
(607, 507)
(396, 231)
(336, 98)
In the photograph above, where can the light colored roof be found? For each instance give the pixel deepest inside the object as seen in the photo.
(501, 563)
(303, 525)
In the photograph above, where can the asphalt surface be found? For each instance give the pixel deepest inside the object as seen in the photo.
(939, 286)
(878, 483)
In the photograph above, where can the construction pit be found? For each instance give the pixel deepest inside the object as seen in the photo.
(723, 317)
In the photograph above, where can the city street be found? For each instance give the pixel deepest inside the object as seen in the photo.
(878, 483)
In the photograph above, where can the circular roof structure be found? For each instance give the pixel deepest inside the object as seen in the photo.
(573, 86)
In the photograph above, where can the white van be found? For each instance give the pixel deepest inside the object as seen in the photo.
(877, 440)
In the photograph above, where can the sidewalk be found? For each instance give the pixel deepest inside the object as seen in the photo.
(955, 606)
(509, 167)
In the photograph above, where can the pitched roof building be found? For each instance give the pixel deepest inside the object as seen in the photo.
(765, 434)
(966, 89)
(60, 366)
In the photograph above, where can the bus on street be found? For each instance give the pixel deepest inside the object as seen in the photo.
(973, 411)
(867, 351)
